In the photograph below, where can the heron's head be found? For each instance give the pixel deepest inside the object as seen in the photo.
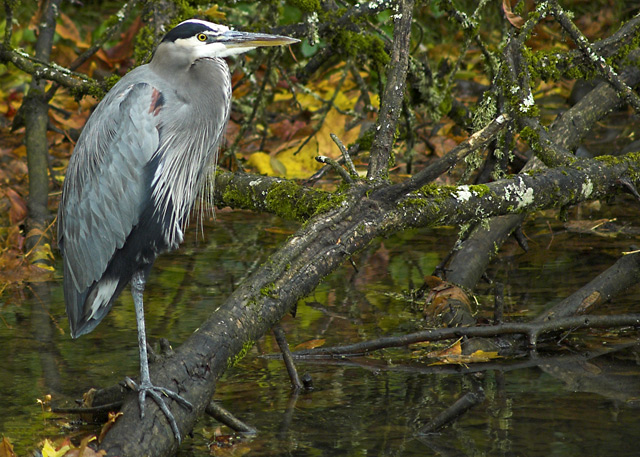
(201, 39)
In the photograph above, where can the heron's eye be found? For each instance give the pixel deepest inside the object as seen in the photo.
(201, 37)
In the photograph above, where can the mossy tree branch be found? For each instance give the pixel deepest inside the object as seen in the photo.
(76, 82)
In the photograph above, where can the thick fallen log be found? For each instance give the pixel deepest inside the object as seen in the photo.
(318, 248)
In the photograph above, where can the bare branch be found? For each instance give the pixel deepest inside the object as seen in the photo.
(530, 329)
(391, 103)
(599, 63)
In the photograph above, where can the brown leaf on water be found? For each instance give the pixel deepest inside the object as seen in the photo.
(6, 448)
(482, 356)
(514, 19)
(454, 349)
(311, 344)
(440, 294)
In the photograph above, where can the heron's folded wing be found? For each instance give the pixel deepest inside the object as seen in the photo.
(107, 183)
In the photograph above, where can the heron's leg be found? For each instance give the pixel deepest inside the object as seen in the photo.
(145, 387)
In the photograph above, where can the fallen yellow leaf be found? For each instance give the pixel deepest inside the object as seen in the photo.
(49, 451)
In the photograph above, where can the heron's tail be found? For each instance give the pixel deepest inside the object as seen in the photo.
(87, 308)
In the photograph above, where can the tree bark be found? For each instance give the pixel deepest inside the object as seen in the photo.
(36, 122)
(316, 250)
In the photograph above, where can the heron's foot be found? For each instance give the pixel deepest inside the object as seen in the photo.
(146, 388)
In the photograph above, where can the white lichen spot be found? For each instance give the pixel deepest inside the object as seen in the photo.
(463, 194)
(312, 20)
(587, 188)
(527, 103)
(519, 191)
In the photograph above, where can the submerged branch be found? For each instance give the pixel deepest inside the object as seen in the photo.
(461, 406)
(620, 276)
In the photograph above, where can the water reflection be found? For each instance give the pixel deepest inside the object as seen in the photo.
(574, 405)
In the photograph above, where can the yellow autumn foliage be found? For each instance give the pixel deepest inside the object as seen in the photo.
(295, 162)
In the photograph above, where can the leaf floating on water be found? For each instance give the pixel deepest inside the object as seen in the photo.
(483, 356)
(311, 344)
(446, 304)
(454, 355)
(6, 448)
(49, 451)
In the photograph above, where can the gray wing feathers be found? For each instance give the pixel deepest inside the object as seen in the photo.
(105, 189)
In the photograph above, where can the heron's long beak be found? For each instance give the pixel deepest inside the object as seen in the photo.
(235, 39)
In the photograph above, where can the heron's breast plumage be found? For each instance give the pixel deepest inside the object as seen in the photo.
(191, 130)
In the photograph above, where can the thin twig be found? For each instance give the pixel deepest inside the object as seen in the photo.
(345, 155)
(281, 338)
(8, 27)
(336, 166)
(475, 142)
(249, 122)
(603, 68)
(324, 111)
(122, 15)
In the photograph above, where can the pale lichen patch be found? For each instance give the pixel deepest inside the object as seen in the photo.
(463, 194)
(520, 192)
(587, 188)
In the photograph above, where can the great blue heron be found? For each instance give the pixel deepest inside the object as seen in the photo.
(142, 159)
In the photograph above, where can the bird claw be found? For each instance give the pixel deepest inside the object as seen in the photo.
(146, 388)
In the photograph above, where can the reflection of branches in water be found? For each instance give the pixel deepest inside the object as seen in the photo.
(457, 409)
(578, 371)
(535, 360)
(530, 329)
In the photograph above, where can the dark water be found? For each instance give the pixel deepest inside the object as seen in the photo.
(565, 401)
